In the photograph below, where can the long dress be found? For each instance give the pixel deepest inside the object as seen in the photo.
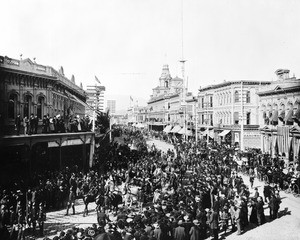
(253, 215)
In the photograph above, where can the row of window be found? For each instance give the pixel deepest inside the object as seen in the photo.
(28, 108)
(224, 118)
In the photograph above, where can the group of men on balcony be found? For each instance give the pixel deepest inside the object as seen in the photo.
(55, 124)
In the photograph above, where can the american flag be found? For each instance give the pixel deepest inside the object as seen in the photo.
(97, 80)
(283, 133)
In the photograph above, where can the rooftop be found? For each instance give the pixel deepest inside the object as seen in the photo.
(29, 67)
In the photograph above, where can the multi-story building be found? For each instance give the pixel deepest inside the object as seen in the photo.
(111, 106)
(29, 88)
(279, 116)
(226, 106)
(95, 97)
(167, 104)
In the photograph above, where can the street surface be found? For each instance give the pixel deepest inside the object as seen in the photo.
(286, 227)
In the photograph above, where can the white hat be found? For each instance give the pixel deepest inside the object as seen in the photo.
(196, 222)
(156, 225)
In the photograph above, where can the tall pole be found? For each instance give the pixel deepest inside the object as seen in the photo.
(94, 116)
(207, 121)
(242, 119)
(196, 121)
(183, 99)
(110, 129)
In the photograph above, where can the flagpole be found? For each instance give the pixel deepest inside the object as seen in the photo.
(94, 115)
(110, 129)
(242, 119)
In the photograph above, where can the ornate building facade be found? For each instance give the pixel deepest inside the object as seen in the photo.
(167, 104)
(279, 116)
(224, 107)
(29, 88)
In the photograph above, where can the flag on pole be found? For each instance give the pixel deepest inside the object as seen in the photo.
(97, 80)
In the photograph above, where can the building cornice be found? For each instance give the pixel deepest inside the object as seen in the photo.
(224, 84)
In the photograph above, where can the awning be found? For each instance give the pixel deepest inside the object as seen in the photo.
(157, 124)
(288, 117)
(296, 116)
(224, 133)
(167, 129)
(274, 118)
(185, 132)
(281, 116)
(140, 125)
(77, 99)
(176, 129)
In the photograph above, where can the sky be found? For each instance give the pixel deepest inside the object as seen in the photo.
(126, 42)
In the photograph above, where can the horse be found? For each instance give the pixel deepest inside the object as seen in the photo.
(88, 196)
(112, 201)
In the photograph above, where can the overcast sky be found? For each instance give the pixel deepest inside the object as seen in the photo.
(126, 42)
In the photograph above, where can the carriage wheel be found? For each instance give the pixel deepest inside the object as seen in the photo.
(266, 179)
(296, 192)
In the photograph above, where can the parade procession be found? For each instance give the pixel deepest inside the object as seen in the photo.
(183, 121)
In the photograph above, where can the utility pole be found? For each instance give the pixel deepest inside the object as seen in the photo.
(196, 121)
(242, 119)
(183, 99)
(207, 122)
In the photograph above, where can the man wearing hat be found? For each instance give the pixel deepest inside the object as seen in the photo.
(214, 224)
(179, 233)
(195, 230)
(260, 211)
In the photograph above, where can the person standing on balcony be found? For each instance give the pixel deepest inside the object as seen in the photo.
(31, 124)
(18, 122)
(36, 124)
(44, 125)
(25, 125)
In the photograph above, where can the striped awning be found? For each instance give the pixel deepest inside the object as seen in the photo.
(288, 117)
(185, 132)
(281, 115)
(167, 129)
(176, 129)
(224, 133)
(296, 116)
(274, 118)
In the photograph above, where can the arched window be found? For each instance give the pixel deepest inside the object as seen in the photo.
(166, 84)
(236, 96)
(12, 105)
(40, 107)
(27, 105)
(248, 97)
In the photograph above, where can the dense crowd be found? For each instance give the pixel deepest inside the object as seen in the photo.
(191, 193)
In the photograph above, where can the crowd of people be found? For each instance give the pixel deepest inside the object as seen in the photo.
(56, 124)
(192, 192)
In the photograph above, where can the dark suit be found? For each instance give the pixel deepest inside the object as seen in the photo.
(214, 224)
(179, 233)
